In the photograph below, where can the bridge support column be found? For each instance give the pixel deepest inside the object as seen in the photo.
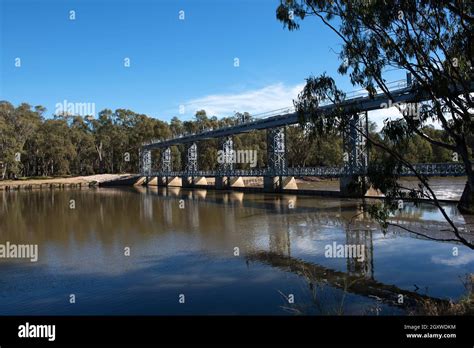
(226, 163)
(276, 161)
(226, 166)
(192, 181)
(174, 181)
(356, 157)
(152, 181)
(271, 183)
(225, 182)
(187, 181)
(165, 167)
(222, 182)
(145, 164)
(191, 166)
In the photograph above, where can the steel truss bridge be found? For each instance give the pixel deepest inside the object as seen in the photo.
(426, 169)
(355, 147)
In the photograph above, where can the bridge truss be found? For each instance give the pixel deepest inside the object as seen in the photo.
(426, 169)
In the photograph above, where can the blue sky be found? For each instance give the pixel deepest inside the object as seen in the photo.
(173, 62)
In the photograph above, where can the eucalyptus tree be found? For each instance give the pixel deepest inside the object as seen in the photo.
(83, 142)
(430, 40)
(17, 127)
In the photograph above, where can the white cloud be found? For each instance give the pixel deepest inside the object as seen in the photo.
(256, 101)
(464, 259)
(392, 113)
(378, 116)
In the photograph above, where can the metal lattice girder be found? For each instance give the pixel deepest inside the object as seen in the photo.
(428, 169)
(399, 94)
(356, 153)
(227, 147)
(166, 160)
(145, 162)
(191, 161)
(276, 149)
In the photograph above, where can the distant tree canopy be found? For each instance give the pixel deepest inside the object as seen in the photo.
(32, 145)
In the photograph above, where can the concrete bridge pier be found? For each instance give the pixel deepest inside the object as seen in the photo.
(152, 181)
(226, 182)
(353, 186)
(174, 181)
(279, 183)
(192, 181)
(163, 181)
(167, 181)
(272, 183)
(236, 181)
(187, 181)
(222, 182)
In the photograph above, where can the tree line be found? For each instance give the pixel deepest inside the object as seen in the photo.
(32, 144)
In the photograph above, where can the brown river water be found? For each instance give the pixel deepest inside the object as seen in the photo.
(175, 251)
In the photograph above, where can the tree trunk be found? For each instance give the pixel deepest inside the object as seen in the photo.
(466, 204)
(4, 173)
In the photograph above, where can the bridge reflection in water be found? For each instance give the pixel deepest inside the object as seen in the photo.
(183, 240)
(357, 277)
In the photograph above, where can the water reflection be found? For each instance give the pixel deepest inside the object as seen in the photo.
(184, 241)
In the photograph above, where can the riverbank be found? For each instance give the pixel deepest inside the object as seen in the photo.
(446, 188)
(45, 182)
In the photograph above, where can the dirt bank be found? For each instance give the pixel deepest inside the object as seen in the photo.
(66, 181)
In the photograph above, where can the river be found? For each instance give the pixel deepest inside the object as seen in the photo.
(174, 251)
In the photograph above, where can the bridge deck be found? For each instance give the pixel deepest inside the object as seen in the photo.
(405, 94)
(428, 169)
(361, 103)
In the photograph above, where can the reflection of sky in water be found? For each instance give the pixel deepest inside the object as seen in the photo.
(191, 251)
(428, 212)
(403, 261)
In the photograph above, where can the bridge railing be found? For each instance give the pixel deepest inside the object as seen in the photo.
(427, 169)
